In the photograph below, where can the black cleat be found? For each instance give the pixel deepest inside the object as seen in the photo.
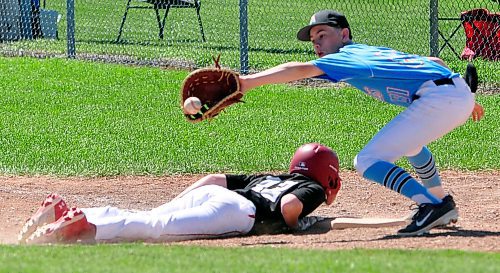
(452, 220)
(429, 216)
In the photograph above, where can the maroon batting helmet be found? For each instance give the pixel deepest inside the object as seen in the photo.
(319, 163)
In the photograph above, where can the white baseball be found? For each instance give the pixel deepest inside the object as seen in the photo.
(192, 105)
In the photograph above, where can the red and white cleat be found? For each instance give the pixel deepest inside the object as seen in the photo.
(52, 208)
(72, 227)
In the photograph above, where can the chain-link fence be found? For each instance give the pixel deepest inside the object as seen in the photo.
(250, 35)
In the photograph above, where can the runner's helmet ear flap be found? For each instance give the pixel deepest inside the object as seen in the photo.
(319, 163)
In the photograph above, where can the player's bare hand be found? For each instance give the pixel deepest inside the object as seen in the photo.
(477, 112)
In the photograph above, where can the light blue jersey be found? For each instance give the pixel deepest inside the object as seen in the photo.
(383, 73)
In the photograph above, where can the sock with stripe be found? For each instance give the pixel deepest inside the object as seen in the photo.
(400, 181)
(425, 166)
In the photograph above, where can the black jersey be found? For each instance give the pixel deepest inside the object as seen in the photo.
(266, 191)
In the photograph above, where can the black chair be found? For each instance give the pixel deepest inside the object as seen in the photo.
(158, 5)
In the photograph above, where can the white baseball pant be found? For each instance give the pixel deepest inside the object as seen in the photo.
(205, 212)
(438, 111)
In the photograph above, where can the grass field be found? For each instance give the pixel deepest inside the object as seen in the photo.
(74, 118)
(63, 117)
(154, 258)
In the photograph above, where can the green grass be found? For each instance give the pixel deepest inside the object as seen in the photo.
(72, 118)
(61, 117)
(158, 258)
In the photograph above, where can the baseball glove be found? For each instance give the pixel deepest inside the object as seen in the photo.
(217, 88)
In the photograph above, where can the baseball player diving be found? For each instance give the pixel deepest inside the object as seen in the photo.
(436, 100)
(217, 205)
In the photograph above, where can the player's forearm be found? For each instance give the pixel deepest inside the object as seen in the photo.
(291, 207)
(280, 74)
(211, 179)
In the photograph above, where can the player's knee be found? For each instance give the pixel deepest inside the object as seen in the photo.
(362, 162)
(357, 165)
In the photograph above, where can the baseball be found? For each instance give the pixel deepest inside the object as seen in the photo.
(192, 105)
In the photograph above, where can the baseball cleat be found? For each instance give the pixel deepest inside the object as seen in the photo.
(447, 198)
(454, 218)
(430, 216)
(72, 227)
(52, 208)
(411, 215)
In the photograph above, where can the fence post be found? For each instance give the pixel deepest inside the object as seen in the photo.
(434, 28)
(70, 32)
(26, 19)
(243, 37)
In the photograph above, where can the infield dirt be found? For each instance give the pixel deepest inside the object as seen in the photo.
(477, 195)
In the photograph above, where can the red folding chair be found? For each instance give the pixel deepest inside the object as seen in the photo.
(482, 32)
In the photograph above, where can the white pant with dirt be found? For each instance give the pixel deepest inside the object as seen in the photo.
(439, 110)
(205, 212)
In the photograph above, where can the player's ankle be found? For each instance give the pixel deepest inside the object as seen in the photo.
(437, 191)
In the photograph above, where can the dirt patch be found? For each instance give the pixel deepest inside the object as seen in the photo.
(476, 194)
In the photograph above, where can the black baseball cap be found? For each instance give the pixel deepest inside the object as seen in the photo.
(323, 17)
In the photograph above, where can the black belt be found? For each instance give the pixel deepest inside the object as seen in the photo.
(438, 82)
(444, 81)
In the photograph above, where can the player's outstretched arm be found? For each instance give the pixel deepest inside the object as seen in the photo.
(211, 179)
(279, 74)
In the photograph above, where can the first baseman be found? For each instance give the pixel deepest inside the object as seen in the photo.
(217, 205)
(436, 100)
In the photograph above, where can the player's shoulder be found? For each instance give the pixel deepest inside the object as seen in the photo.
(360, 50)
(297, 177)
(301, 179)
